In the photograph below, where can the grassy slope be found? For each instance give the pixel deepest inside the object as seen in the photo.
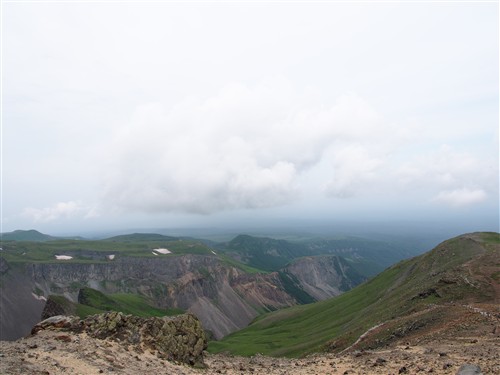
(394, 292)
(95, 302)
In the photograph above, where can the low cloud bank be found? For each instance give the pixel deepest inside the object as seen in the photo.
(251, 147)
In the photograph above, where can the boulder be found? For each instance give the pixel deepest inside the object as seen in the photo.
(180, 338)
(469, 369)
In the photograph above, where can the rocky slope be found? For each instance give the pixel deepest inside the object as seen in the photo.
(323, 277)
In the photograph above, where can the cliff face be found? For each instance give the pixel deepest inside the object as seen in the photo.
(323, 277)
(223, 297)
(20, 308)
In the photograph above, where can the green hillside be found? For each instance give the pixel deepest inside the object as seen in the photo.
(367, 256)
(264, 253)
(456, 270)
(86, 251)
(126, 303)
(26, 235)
(91, 301)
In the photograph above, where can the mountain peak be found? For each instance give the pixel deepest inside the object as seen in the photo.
(26, 235)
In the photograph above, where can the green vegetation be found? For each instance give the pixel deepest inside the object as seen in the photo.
(409, 286)
(291, 285)
(92, 301)
(264, 253)
(367, 256)
(84, 251)
(241, 266)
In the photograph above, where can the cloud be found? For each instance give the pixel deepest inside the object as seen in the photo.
(248, 147)
(461, 197)
(444, 168)
(60, 210)
(456, 178)
(353, 169)
(245, 147)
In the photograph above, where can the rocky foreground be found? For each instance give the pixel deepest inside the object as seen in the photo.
(52, 353)
(118, 344)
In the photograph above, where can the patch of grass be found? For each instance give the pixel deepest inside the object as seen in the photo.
(248, 269)
(491, 237)
(138, 305)
(83, 310)
(92, 301)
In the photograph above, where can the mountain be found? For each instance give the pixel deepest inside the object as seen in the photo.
(134, 237)
(27, 235)
(367, 256)
(172, 274)
(264, 253)
(419, 299)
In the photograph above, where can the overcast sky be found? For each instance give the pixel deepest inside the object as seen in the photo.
(161, 114)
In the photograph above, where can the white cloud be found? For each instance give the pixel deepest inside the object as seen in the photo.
(444, 168)
(354, 168)
(61, 210)
(245, 147)
(461, 197)
(446, 175)
(250, 147)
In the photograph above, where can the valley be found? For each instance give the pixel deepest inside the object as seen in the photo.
(226, 284)
(431, 313)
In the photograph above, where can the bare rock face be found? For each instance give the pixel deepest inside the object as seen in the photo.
(325, 276)
(179, 338)
(53, 308)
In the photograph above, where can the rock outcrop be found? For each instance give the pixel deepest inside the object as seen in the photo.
(180, 338)
(54, 307)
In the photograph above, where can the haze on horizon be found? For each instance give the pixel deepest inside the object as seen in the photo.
(144, 115)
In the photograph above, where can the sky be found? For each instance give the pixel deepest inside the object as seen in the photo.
(200, 114)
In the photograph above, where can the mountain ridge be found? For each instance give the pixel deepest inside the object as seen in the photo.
(462, 269)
